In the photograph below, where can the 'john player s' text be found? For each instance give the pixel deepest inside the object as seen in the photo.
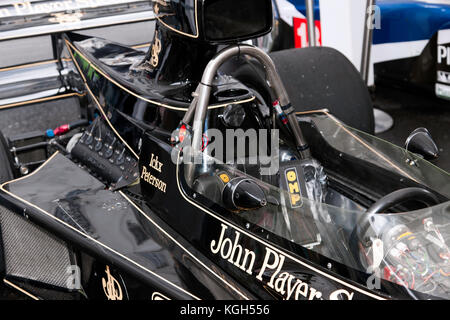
(286, 284)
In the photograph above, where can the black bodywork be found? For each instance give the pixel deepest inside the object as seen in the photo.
(136, 229)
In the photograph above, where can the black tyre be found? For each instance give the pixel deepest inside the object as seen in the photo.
(5, 164)
(321, 77)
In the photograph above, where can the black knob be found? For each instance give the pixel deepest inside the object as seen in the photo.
(243, 194)
(98, 145)
(89, 139)
(109, 152)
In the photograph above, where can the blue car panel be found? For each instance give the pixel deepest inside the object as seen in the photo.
(300, 6)
(406, 20)
(402, 20)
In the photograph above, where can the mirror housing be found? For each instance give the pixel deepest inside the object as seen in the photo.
(243, 194)
(215, 21)
(421, 142)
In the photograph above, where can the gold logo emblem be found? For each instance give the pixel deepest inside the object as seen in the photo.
(66, 17)
(161, 2)
(157, 3)
(156, 49)
(156, 296)
(111, 286)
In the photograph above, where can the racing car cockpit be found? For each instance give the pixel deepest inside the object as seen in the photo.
(308, 183)
(194, 173)
(286, 202)
(328, 206)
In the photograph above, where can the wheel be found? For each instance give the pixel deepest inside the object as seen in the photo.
(321, 77)
(391, 200)
(316, 78)
(5, 164)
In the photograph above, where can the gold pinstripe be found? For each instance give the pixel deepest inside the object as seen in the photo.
(71, 46)
(20, 289)
(18, 104)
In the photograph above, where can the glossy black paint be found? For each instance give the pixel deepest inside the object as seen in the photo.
(203, 225)
(174, 63)
(85, 214)
(111, 229)
(179, 16)
(199, 222)
(163, 237)
(116, 233)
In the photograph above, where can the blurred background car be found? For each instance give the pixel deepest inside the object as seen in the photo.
(411, 39)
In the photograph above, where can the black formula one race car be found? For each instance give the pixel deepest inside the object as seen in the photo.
(190, 174)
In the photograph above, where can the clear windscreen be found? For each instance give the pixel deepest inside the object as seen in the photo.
(408, 249)
(379, 152)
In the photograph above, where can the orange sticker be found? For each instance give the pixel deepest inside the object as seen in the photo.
(224, 177)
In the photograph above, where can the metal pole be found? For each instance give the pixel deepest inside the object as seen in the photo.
(383, 121)
(311, 24)
(367, 42)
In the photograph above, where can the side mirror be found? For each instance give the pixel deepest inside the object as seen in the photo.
(243, 194)
(236, 20)
(421, 142)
